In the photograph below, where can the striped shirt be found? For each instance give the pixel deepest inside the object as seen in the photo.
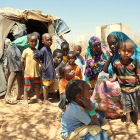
(128, 75)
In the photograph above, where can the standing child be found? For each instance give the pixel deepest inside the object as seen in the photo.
(71, 61)
(79, 59)
(30, 69)
(78, 121)
(127, 70)
(45, 59)
(65, 49)
(57, 59)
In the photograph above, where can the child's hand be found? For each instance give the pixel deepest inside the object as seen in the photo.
(42, 67)
(86, 102)
(94, 120)
(119, 112)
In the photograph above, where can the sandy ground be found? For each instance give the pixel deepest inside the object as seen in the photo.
(38, 122)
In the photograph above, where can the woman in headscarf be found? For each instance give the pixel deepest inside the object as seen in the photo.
(97, 55)
(106, 92)
(114, 39)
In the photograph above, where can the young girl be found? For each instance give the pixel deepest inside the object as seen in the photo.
(79, 59)
(127, 70)
(67, 73)
(65, 49)
(30, 69)
(71, 61)
(78, 121)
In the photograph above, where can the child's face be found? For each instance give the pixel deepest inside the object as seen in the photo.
(87, 92)
(113, 43)
(58, 58)
(47, 40)
(65, 50)
(77, 50)
(71, 59)
(69, 72)
(96, 47)
(126, 51)
(32, 41)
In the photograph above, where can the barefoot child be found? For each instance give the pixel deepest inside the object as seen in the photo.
(30, 69)
(79, 59)
(78, 121)
(127, 70)
(45, 59)
(71, 61)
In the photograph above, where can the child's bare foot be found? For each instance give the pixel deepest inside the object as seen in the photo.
(24, 102)
(46, 102)
(130, 124)
(138, 123)
(39, 101)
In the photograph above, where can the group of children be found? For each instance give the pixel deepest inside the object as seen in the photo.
(42, 68)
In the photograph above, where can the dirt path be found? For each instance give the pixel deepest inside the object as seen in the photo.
(38, 122)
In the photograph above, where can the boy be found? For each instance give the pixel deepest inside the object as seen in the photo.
(127, 70)
(65, 49)
(79, 59)
(45, 59)
(30, 69)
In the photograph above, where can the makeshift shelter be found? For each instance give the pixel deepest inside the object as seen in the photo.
(15, 23)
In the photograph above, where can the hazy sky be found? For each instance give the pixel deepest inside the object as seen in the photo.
(82, 16)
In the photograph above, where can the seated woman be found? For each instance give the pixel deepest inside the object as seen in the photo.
(97, 55)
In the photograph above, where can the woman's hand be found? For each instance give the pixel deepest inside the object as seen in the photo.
(119, 112)
(94, 66)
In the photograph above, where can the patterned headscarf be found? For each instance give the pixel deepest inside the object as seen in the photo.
(91, 42)
(94, 58)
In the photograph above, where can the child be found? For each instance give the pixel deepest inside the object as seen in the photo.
(78, 121)
(57, 59)
(79, 59)
(30, 69)
(65, 49)
(45, 59)
(71, 61)
(127, 70)
(67, 74)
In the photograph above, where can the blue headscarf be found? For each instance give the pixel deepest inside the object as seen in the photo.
(122, 37)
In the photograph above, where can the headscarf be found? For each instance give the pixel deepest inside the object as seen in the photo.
(95, 57)
(91, 43)
(122, 37)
